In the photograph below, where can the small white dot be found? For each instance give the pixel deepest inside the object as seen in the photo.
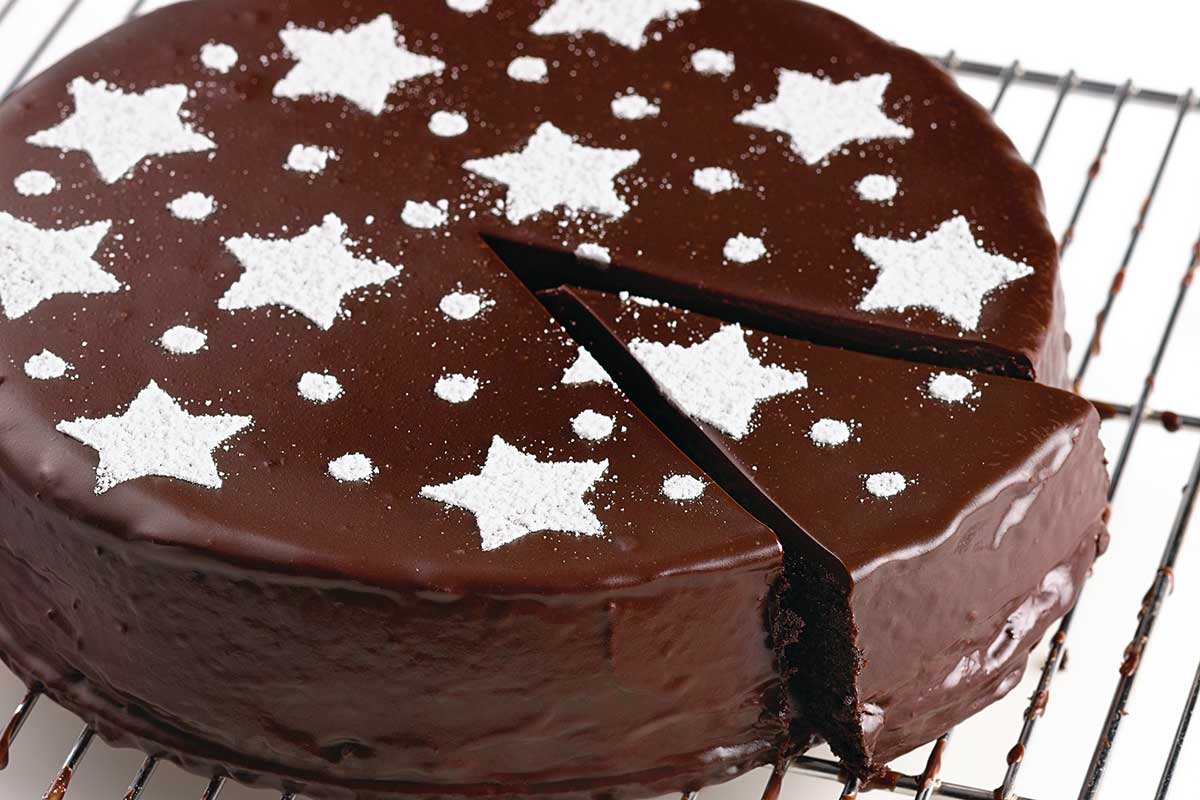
(456, 388)
(886, 484)
(319, 387)
(448, 124)
(592, 425)
(46, 366)
(744, 249)
(877, 188)
(950, 388)
(528, 69)
(352, 468)
(829, 432)
(218, 57)
(715, 180)
(634, 106)
(682, 487)
(35, 183)
(713, 62)
(309, 158)
(183, 340)
(192, 206)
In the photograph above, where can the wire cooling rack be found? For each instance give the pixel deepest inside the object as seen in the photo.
(1012, 747)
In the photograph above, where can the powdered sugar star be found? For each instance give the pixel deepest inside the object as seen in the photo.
(622, 21)
(155, 436)
(310, 274)
(946, 271)
(362, 64)
(117, 130)
(716, 381)
(553, 170)
(37, 264)
(820, 116)
(515, 495)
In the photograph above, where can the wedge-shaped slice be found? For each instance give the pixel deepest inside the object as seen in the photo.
(935, 522)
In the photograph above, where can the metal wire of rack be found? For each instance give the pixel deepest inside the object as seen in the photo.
(927, 784)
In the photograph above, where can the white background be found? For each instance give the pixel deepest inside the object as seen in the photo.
(1152, 41)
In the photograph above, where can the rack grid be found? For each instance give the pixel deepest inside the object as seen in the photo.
(927, 784)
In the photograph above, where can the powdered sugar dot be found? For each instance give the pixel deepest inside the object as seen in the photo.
(319, 387)
(448, 124)
(528, 69)
(950, 388)
(183, 340)
(456, 388)
(590, 251)
(877, 188)
(46, 366)
(715, 180)
(352, 468)
(35, 183)
(585, 369)
(634, 106)
(309, 158)
(218, 57)
(744, 249)
(592, 425)
(461, 305)
(829, 432)
(192, 206)
(467, 6)
(682, 487)
(426, 215)
(886, 484)
(709, 61)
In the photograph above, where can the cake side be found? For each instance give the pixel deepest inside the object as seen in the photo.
(342, 690)
(962, 511)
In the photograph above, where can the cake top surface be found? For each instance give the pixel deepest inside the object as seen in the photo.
(254, 257)
(874, 458)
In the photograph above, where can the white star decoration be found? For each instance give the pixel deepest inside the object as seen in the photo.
(117, 130)
(37, 264)
(309, 274)
(946, 271)
(515, 495)
(155, 436)
(622, 21)
(362, 64)
(820, 116)
(552, 170)
(716, 381)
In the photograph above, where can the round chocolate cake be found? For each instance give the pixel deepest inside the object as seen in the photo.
(557, 398)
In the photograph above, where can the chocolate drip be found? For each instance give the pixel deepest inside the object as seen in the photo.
(58, 789)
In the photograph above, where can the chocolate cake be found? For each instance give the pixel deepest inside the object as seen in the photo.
(936, 522)
(303, 485)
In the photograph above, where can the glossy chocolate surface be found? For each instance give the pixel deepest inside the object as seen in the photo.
(286, 585)
(1003, 489)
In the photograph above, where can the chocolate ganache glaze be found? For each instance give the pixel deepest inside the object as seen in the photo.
(303, 485)
(936, 521)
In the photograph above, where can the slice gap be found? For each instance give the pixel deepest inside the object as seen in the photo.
(543, 268)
